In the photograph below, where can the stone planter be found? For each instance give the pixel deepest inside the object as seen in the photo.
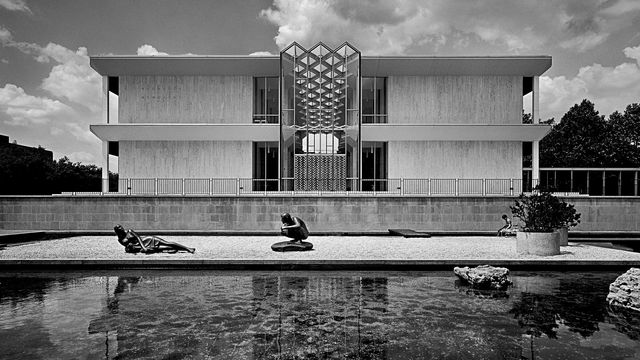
(537, 243)
(564, 236)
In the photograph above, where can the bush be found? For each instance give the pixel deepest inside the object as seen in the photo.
(543, 212)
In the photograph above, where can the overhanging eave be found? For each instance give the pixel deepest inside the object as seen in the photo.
(187, 132)
(457, 132)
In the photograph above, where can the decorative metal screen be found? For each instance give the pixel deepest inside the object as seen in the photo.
(320, 120)
(320, 172)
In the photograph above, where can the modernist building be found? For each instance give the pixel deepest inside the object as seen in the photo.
(320, 118)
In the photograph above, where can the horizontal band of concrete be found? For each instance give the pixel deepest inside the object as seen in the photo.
(325, 265)
(323, 215)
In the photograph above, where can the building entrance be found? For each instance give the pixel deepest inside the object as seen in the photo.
(320, 118)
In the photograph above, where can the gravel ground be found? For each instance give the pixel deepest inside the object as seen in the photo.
(325, 248)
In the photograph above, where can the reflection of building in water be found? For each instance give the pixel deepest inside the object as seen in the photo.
(319, 315)
(177, 317)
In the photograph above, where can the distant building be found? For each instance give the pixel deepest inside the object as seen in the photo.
(320, 118)
(16, 149)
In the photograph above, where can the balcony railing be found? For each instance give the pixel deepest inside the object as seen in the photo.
(316, 187)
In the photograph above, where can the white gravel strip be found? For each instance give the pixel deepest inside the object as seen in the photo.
(325, 248)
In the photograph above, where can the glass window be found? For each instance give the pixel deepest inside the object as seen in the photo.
(374, 166)
(265, 100)
(265, 166)
(374, 100)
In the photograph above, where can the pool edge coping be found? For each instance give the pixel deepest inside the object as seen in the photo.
(382, 264)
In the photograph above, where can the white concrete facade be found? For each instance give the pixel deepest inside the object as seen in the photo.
(446, 117)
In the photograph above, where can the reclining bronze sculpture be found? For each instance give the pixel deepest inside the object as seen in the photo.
(134, 243)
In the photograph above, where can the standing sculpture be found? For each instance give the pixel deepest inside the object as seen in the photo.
(134, 243)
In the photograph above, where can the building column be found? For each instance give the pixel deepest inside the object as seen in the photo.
(105, 144)
(105, 166)
(535, 119)
(535, 163)
(105, 99)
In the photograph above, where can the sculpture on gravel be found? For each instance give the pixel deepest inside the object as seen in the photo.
(295, 228)
(134, 243)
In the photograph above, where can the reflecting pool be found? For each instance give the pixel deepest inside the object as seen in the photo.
(310, 315)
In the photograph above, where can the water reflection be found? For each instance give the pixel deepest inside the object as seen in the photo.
(314, 316)
(319, 317)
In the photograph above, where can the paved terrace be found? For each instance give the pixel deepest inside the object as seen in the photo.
(330, 252)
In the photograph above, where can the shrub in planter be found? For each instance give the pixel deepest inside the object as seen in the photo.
(541, 213)
(569, 218)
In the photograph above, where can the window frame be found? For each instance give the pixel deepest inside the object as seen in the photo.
(263, 117)
(378, 118)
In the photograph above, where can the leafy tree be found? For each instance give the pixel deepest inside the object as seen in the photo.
(627, 125)
(28, 172)
(68, 176)
(583, 138)
(23, 171)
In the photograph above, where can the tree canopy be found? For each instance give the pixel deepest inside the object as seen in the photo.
(584, 138)
(28, 173)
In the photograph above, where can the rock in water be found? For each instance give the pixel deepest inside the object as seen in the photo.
(625, 290)
(484, 277)
(291, 246)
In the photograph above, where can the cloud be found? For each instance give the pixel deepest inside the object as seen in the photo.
(5, 35)
(261, 53)
(83, 157)
(398, 26)
(27, 110)
(71, 78)
(4, 61)
(15, 5)
(609, 88)
(633, 53)
(148, 50)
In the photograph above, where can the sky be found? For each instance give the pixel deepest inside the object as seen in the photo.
(49, 94)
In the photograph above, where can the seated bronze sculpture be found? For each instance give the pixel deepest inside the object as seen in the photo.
(134, 243)
(293, 227)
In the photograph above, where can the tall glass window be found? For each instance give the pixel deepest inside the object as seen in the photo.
(374, 100)
(265, 166)
(374, 166)
(265, 100)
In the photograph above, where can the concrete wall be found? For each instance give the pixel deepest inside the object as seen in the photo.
(185, 159)
(186, 99)
(455, 159)
(454, 99)
(320, 213)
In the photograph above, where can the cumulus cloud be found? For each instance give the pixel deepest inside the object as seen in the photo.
(148, 50)
(609, 88)
(71, 78)
(75, 102)
(396, 26)
(25, 110)
(15, 5)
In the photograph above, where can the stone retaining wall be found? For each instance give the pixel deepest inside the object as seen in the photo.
(320, 213)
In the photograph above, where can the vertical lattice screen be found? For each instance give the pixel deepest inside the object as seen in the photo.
(320, 114)
(320, 172)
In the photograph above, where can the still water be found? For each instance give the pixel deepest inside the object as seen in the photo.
(310, 315)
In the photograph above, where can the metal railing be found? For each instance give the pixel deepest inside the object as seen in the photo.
(317, 187)
(593, 181)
